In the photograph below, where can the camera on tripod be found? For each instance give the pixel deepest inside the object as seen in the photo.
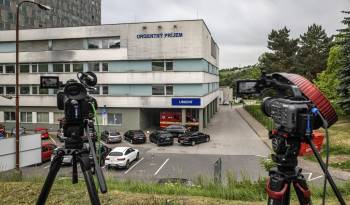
(78, 128)
(297, 108)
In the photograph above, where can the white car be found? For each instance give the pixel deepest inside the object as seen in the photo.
(121, 157)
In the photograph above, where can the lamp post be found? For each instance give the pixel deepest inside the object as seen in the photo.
(43, 7)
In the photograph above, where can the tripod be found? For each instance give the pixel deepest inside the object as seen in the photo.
(81, 156)
(280, 179)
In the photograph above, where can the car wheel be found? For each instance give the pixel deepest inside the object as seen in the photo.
(132, 141)
(127, 165)
(137, 156)
(193, 143)
(207, 139)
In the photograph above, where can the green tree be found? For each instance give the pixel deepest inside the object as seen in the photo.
(327, 81)
(313, 52)
(284, 50)
(344, 72)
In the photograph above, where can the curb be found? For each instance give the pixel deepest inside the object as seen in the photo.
(262, 132)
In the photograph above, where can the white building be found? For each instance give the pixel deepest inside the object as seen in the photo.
(142, 68)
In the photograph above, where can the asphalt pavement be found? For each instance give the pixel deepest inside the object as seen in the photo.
(232, 141)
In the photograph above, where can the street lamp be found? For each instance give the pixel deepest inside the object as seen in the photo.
(44, 7)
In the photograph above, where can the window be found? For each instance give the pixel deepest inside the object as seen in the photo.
(1, 69)
(42, 117)
(26, 117)
(57, 116)
(97, 91)
(9, 68)
(105, 67)
(34, 68)
(43, 68)
(162, 66)
(24, 68)
(78, 67)
(93, 43)
(67, 68)
(43, 91)
(157, 66)
(111, 43)
(34, 90)
(114, 118)
(1, 90)
(169, 89)
(168, 65)
(10, 116)
(94, 66)
(158, 90)
(10, 90)
(105, 90)
(24, 90)
(58, 68)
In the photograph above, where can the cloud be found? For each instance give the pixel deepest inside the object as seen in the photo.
(240, 27)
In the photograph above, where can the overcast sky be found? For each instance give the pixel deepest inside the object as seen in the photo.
(240, 27)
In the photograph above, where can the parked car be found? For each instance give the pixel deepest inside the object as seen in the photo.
(22, 131)
(121, 157)
(2, 131)
(161, 137)
(47, 149)
(176, 130)
(43, 131)
(135, 136)
(60, 135)
(192, 138)
(111, 137)
(68, 159)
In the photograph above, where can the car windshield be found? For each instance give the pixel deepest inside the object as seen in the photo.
(116, 154)
(166, 135)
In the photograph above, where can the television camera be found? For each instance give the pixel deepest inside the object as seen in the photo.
(297, 108)
(79, 131)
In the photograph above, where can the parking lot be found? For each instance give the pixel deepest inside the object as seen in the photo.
(232, 140)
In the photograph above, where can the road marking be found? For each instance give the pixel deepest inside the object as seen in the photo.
(258, 155)
(133, 166)
(315, 178)
(309, 178)
(161, 167)
(53, 140)
(46, 166)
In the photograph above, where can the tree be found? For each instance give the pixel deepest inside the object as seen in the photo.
(313, 52)
(344, 72)
(284, 50)
(327, 81)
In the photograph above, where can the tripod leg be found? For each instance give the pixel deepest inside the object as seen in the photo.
(89, 180)
(54, 168)
(75, 169)
(302, 191)
(278, 189)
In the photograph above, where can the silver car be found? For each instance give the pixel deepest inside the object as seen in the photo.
(111, 137)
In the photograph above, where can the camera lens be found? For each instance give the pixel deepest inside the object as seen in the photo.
(266, 105)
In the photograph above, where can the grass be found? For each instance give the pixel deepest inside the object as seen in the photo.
(339, 135)
(204, 191)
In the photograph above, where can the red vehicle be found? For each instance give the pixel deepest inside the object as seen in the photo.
(44, 132)
(47, 149)
(174, 118)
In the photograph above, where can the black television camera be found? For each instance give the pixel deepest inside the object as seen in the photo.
(80, 136)
(297, 108)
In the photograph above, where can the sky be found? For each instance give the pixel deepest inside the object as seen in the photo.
(240, 27)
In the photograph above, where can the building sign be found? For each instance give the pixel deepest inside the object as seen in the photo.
(159, 35)
(186, 101)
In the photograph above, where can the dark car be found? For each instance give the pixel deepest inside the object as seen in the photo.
(135, 136)
(192, 138)
(161, 137)
(176, 130)
(111, 137)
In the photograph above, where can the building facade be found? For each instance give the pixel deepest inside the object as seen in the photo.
(64, 13)
(143, 70)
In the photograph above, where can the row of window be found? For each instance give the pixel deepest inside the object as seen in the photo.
(44, 117)
(36, 90)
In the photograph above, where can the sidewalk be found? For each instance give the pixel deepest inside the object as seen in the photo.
(262, 132)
